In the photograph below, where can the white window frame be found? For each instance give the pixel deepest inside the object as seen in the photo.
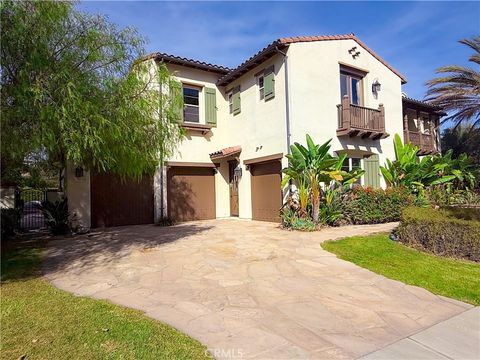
(199, 88)
(350, 166)
(261, 88)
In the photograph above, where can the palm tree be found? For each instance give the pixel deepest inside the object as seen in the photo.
(458, 92)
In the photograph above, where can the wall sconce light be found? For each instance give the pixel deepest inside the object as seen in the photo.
(79, 172)
(376, 87)
(237, 173)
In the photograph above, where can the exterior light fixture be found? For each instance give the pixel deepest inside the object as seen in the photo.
(376, 87)
(237, 173)
(79, 172)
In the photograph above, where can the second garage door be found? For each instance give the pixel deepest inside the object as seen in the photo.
(191, 193)
(117, 202)
(266, 191)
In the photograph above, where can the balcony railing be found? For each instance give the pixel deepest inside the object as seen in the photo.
(425, 142)
(356, 120)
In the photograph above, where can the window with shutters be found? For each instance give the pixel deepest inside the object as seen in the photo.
(266, 84)
(191, 101)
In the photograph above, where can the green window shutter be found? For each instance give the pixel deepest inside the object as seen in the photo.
(211, 106)
(269, 83)
(372, 171)
(236, 100)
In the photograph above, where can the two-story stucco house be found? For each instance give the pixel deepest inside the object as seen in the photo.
(240, 123)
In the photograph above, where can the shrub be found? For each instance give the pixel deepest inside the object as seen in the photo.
(9, 219)
(371, 206)
(57, 216)
(449, 232)
(441, 196)
(291, 218)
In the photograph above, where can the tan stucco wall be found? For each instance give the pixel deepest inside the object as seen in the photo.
(314, 83)
(259, 128)
(314, 87)
(77, 191)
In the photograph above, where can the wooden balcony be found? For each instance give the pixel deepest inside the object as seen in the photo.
(425, 142)
(356, 120)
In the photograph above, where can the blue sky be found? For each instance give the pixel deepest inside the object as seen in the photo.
(414, 37)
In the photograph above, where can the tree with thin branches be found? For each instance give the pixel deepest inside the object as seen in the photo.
(458, 90)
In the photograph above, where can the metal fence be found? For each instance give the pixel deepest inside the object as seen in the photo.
(29, 203)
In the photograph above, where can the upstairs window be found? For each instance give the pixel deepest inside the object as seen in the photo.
(191, 100)
(261, 86)
(266, 84)
(351, 84)
(230, 102)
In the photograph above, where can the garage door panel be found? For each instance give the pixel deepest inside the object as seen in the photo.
(266, 191)
(191, 193)
(118, 202)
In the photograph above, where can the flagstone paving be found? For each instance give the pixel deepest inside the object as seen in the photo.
(248, 289)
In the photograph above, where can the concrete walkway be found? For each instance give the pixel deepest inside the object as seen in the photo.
(249, 289)
(455, 338)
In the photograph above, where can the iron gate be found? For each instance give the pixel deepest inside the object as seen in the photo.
(29, 203)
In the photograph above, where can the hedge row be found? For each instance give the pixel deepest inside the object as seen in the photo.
(451, 232)
(372, 206)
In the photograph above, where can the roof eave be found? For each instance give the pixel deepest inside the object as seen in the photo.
(251, 63)
(424, 105)
(174, 60)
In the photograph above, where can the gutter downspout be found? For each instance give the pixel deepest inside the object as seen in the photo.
(287, 107)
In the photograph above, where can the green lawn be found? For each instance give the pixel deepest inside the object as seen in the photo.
(42, 322)
(456, 279)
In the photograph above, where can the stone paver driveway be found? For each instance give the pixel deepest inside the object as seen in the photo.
(248, 289)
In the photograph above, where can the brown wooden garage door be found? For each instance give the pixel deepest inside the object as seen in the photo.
(115, 202)
(266, 191)
(191, 193)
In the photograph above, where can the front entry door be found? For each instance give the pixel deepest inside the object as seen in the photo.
(233, 183)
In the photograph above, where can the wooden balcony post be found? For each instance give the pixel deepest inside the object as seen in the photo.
(405, 127)
(382, 117)
(346, 112)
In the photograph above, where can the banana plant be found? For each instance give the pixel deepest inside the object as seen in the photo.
(410, 171)
(311, 166)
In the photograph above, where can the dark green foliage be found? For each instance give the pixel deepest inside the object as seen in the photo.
(444, 232)
(371, 206)
(310, 168)
(441, 196)
(10, 218)
(463, 140)
(408, 170)
(57, 216)
(73, 89)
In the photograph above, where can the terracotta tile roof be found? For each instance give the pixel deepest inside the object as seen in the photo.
(178, 60)
(282, 43)
(226, 152)
(423, 104)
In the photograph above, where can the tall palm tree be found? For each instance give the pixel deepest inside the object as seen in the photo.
(458, 91)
